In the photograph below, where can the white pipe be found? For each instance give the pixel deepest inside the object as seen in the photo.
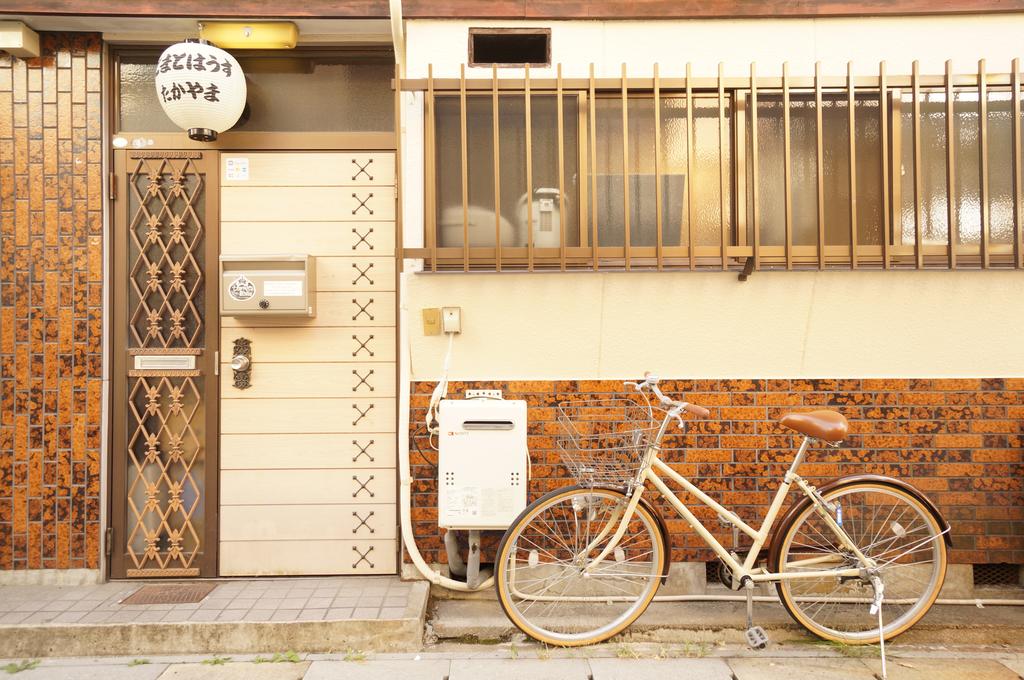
(981, 602)
(405, 470)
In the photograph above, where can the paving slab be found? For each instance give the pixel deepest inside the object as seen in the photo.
(787, 669)
(236, 671)
(659, 669)
(941, 669)
(425, 669)
(516, 669)
(91, 671)
(1015, 665)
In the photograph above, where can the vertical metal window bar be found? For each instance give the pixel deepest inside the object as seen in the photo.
(431, 188)
(529, 174)
(820, 167)
(787, 176)
(918, 179)
(595, 253)
(754, 167)
(1018, 200)
(497, 169)
(561, 172)
(883, 119)
(852, 106)
(723, 174)
(465, 169)
(625, 168)
(657, 163)
(691, 249)
(951, 211)
(983, 144)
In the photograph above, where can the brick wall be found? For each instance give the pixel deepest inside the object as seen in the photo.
(959, 441)
(51, 263)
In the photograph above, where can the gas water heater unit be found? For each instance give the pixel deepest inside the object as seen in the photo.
(482, 462)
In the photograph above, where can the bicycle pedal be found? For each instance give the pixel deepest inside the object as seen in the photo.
(756, 637)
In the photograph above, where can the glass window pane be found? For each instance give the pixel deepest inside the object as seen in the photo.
(706, 172)
(294, 93)
(513, 202)
(967, 170)
(804, 169)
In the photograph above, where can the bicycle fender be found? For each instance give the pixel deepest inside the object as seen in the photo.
(798, 507)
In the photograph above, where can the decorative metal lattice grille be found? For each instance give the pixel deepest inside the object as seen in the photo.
(166, 425)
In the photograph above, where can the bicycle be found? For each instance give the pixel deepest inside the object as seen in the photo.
(582, 563)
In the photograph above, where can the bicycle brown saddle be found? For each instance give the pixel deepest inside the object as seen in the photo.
(826, 425)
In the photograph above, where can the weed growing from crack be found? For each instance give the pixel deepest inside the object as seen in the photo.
(25, 665)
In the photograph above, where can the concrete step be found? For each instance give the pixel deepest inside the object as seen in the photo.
(395, 624)
(715, 622)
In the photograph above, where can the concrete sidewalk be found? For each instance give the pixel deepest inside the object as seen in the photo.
(302, 614)
(604, 662)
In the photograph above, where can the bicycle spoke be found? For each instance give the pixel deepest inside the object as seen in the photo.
(906, 558)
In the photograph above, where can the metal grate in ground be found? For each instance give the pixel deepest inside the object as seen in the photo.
(170, 593)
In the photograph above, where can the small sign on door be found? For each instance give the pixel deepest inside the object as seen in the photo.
(236, 169)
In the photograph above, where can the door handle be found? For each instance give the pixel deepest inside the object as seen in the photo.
(241, 363)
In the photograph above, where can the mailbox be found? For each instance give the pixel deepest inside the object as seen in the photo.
(267, 285)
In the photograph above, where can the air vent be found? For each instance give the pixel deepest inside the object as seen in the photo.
(997, 576)
(509, 46)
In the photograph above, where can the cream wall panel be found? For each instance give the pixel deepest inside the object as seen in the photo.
(278, 558)
(338, 309)
(314, 169)
(289, 345)
(307, 487)
(709, 325)
(307, 522)
(317, 238)
(736, 43)
(307, 415)
(311, 380)
(297, 204)
(355, 273)
(319, 450)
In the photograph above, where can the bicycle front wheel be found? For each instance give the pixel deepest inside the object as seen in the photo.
(540, 568)
(891, 528)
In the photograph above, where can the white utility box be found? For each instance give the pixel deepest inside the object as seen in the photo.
(482, 462)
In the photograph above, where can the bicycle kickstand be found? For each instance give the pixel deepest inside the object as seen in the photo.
(756, 637)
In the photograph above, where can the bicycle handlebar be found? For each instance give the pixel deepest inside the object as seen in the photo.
(651, 382)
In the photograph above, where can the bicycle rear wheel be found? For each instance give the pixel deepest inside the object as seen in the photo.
(890, 527)
(540, 575)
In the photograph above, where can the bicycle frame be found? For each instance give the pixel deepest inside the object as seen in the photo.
(649, 472)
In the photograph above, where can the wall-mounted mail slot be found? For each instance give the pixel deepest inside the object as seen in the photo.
(165, 362)
(269, 285)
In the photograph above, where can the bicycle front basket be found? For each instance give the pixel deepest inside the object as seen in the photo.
(603, 441)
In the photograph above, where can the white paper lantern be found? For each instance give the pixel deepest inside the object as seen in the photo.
(201, 88)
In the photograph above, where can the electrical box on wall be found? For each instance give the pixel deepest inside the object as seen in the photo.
(267, 285)
(483, 463)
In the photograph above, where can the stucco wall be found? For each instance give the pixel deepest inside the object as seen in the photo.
(710, 325)
(706, 42)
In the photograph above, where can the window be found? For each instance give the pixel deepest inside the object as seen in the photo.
(322, 92)
(484, 213)
(694, 175)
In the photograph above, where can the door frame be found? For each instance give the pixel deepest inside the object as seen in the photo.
(208, 161)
